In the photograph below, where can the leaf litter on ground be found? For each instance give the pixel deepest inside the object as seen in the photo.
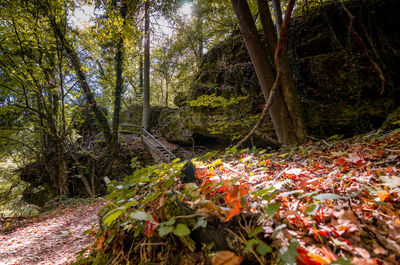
(52, 237)
(338, 202)
(319, 203)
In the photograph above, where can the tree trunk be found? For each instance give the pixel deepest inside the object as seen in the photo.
(146, 88)
(77, 66)
(278, 111)
(278, 15)
(141, 67)
(62, 174)
(198, 12)
(119, 57)
(166, 93)
(288, 86)
(268, 28)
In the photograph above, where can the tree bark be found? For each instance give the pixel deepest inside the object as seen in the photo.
(166, 93)
(119, 57)
(141, 67)
(288, 86)
(279, 113)
(146, 88)
(278, 15)
(268, 28)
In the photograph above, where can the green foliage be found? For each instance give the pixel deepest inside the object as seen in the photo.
(154, 182)
(287, 255)
(215, 101)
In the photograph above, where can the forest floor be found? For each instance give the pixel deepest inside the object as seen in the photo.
(50, 238)
(324, 202)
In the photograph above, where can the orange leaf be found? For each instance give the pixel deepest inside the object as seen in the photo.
(303, 257)
(383, 195)
(226, 258)
(320, 259)
(100, 243)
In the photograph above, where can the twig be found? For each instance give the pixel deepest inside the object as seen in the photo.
(392, 150)
(153, 244)
(188, 216)
(278, 51)
(242, 239)
(316, 139)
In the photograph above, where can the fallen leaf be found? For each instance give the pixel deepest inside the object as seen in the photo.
(226, 258)
(149, 228)
(382, 195)
(100, 243)
(360, 261)
(363, 253)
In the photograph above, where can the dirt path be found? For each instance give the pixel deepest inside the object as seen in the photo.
(52, 238)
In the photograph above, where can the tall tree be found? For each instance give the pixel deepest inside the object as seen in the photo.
(288, 86)
(146, 85)
(51, 12)
(119, 56)
(285, 123)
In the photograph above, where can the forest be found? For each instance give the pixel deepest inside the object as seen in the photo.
(199, 132)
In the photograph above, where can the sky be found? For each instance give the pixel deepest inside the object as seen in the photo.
(81, 17)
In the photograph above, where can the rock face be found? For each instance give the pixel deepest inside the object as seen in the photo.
(339, 89)
(338, 86)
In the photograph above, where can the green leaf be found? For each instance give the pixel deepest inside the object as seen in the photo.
(272, 209)
(201, 222)
(141, 216)
(181, 230)
(129, 204)
(171, 221)
(250, 244)
(110, 218)
(327, 196)
(113, 194)
(263, 248)
(165, 230)
(288, 254)
(312, 209)
(152, 196)
(255, 231)
(263, 192)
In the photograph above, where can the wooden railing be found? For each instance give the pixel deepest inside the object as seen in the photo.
(159, 152)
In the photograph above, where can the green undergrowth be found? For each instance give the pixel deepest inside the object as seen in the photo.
(255, 206)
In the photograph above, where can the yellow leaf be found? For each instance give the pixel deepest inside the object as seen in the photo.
(383, 195)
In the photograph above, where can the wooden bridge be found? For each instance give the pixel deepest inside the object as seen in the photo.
(159, 152)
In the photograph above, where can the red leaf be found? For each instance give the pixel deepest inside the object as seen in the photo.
(303, 258)
(149, 229)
